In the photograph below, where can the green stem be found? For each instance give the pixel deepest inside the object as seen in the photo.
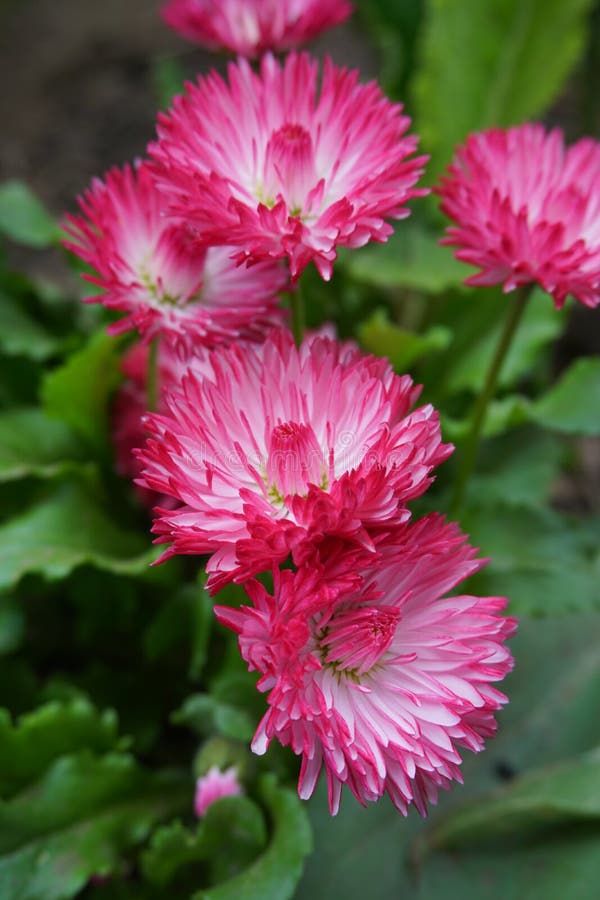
(471, 447)
(152, 376)
(298, 314)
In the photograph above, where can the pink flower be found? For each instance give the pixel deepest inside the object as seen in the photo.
(379, 683)
(275, 447)
(250, 27)
(213, 786)
(149, 269)
(527, 210)
(279, 167)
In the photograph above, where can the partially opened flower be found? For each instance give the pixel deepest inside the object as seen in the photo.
(149, 269)
(527, 210)
(279, 166)
(214, 786)
(383, 683)
(250, 27)
(276, 447)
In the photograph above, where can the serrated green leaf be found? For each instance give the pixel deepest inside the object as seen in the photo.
(31, 445)
(78, 821)
(380, 336)
(22, 335)
(232, 833)
(65, 530)
(485, 64)
(207, 715)
(23, 218)
(78, 392)
(412, 259)
(541, 561)
(28, 746)
(276, 872)
(573, 404)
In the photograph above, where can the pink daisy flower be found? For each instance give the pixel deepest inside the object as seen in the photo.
(149, 269)
(250, 27)
(527, 210)
(215, 785)
(280, 167)
(275, 447)
(380, 684)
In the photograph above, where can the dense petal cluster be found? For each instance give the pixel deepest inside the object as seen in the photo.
(149, 268)
(251, 27)
(279, 167)
(381, 683)
(527, 210)
(214, 786)
(275, 447)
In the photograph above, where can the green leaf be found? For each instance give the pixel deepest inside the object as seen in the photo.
(207, 715)
(168, 76)
(573, 404)
(276, 872)
(12, 626)
(78, 392)
(22, 335)
(519, 468)
(65, 530)
(184, 620)
(232, 831)
(380, 336)
(502, 415)
(23, 218)
(78, 821)
(551, 715)
(542, 562)
(29, 746)
(394, 26)
(479, 319)
(412, 259)
(31, 445)
(562, 794)
(485, 64)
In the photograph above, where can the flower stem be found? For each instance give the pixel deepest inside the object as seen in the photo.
(471, 447)
(152, 376)
(298, 314)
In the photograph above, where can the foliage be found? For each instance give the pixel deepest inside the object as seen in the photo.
(117, 687)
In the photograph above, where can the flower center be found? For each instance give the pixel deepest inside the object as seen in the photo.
(290, 168)
(355, 639)
(295, 460)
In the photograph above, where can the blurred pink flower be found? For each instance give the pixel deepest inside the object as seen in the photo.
(282, 168)
(379, 682)
(250, 27)
(527, 209)
(149, 269)
(275, 447)
(213, 786)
